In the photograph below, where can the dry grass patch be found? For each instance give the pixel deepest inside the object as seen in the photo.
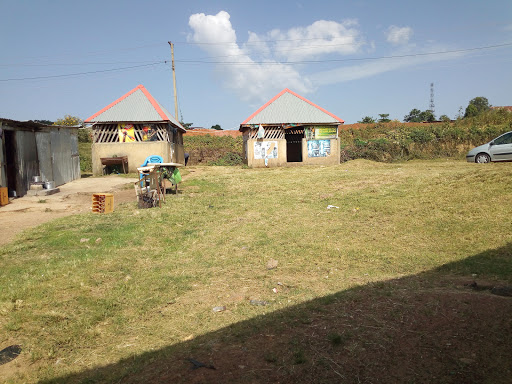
(152, 281)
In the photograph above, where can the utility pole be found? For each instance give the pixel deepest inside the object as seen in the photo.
(174, 82)
(431, 106)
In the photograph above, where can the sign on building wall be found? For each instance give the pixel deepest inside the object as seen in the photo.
(126, 133)
(149, 133)
(326, 133)
(319, 133)
(319, 148)
(265, 150)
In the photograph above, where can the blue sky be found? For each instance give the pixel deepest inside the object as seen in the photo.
(353, 58)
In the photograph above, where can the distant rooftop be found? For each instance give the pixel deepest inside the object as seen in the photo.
(135, 106)
(289, 107)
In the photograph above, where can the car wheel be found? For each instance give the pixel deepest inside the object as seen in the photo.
(482, 158)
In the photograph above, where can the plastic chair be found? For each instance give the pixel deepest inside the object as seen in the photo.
(153, 159)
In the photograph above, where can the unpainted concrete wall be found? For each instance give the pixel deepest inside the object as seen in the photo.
(137, 153)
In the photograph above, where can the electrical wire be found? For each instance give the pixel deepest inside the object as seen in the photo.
(344, 60)
(262, 62)
(86, 73)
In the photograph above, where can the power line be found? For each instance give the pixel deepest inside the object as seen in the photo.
(261, 62)
(85, 73)
(73, 64)
(343, 60)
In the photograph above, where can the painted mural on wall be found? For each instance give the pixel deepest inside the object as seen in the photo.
(126, 133)
(149, 133)
(319, 148)
(265, 150)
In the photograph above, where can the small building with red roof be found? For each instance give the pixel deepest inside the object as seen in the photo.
(289, 129)
(134, 127)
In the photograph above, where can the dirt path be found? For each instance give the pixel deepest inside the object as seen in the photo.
(74, 197)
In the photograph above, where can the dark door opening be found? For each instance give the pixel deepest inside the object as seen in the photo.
(294, 146)
(10, 161)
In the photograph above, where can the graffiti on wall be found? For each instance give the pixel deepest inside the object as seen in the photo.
(319, 148)
(265, 150)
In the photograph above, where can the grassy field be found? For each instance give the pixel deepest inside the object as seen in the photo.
(137, 299)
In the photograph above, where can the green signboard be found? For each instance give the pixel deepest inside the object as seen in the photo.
(326, 132)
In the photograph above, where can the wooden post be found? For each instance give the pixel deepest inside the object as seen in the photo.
(174, 82)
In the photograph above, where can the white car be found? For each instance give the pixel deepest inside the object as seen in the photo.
(499, 149)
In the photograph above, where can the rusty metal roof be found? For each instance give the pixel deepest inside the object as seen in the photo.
(289, 107)
(136, 106)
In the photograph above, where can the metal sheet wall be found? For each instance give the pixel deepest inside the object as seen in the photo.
(61, 155)
(3, 176)
(27, 160)
(50, 152)
(45, 155)
(75, 157)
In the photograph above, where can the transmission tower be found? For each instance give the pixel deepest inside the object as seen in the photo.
(432, 107)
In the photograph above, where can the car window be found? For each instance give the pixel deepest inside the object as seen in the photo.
(505, 139)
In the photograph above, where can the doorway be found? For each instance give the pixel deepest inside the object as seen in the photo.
(294, 145)
(10, 161)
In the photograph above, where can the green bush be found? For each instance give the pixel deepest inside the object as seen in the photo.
(229, 158)
(84, 150)
(85, 135)
(214, 150)
(397, 141)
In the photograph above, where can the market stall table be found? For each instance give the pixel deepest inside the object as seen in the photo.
(150, 189)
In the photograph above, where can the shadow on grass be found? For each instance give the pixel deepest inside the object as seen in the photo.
(430, 327)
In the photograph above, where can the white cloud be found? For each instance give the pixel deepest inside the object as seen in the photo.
(379, 66)
(398, 35)
(259, 68)
(320, 38)
(252, 81)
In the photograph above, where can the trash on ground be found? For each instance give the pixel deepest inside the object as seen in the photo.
(258, 302)
(197, 364)
(219, 309)
(331, 206)
(10, 353)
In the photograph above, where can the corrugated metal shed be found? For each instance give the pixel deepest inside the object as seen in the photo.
(289, 107)
(33, 149)
(136, 106)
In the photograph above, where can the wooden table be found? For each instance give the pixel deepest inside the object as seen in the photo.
(151, 180)
(123, 160)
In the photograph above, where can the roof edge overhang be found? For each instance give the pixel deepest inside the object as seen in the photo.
(150, 98)
(286, 125)
(286, 90)
(94, 123)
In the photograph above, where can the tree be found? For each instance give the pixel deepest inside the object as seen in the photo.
(427, 115)
(413, 116)
(367, 120)
(384, 118)
(471, 111)
(476, 106)
(186, 125)
(217, 127)
(444, 118)
(417, 116)
(70, 121)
